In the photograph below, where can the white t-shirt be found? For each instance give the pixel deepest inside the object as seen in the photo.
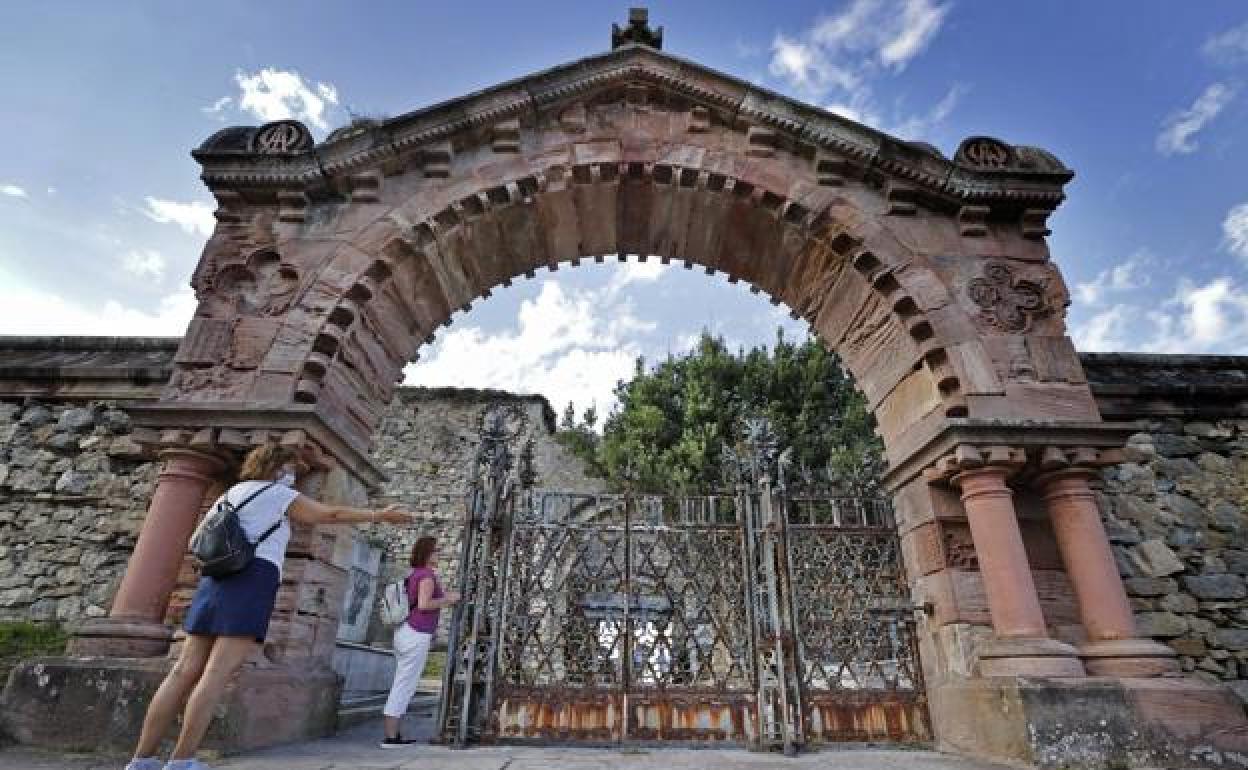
(266, 509)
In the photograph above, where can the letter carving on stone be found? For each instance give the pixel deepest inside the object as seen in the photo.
(984, 152)
(283, 136)
(1007, 303)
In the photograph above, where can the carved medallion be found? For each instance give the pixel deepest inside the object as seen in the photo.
(1005, 302)
(985, 152)
(283, 136)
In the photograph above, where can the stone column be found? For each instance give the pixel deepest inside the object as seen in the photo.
(135, 625)
(1021, 646)
(1113, 647)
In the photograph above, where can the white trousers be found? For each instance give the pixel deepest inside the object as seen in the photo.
(411, 648)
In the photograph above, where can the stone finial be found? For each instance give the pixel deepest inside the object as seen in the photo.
(637, 31)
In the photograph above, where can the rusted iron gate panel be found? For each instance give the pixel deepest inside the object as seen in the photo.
(766, 617)
(627, 621)
(853, 622)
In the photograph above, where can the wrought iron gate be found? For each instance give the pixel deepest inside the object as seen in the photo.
(762, 616)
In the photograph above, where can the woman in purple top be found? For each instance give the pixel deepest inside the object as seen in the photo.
(413, 637)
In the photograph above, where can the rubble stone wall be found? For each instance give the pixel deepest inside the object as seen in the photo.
(73, 491)
(426, 445)
(74, 488)
(1177, 510)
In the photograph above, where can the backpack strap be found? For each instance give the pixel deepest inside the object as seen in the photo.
(268, 532)
(253, 496)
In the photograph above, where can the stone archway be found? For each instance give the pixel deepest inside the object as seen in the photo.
(332, 263)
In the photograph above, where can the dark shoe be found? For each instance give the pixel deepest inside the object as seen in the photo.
(397, 742)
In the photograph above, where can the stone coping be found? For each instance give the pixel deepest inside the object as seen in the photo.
(230, 160)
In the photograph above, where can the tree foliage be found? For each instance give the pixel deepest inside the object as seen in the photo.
(672, 419)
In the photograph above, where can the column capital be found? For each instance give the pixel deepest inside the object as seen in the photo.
(231, 431)
(192, 464)
(967, 458)
(1064, 471)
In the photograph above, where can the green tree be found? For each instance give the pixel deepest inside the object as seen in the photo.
(672, 420)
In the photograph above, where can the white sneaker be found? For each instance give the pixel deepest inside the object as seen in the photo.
(185, 764)
(145, 763)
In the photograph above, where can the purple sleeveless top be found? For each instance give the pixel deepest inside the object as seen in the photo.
(424, 621)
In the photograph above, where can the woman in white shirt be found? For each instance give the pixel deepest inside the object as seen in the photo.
(229, 615)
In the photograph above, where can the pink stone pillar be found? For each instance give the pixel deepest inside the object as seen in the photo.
(1022, 646)
(1113, 647)
(135, 624)
(1012, 599)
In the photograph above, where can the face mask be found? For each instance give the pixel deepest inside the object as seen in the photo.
(286, 478)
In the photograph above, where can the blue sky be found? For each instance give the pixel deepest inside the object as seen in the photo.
(102, 216)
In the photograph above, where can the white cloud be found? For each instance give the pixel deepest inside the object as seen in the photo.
(1208, 318)
(1126, 276)
(807, 68)
(568, 345)
(1235, 230)
(13, 191)
(144, 263)
(1179, 129)
(881, 33)
(917, 126)
(27, 310)
(1228, 47)
(919, 22)
(1104, 331)
(195, 217)
(842, 55)
(273, 94)
(634, 271)
(217, 109)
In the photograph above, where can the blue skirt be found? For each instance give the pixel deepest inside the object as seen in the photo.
(236, 605)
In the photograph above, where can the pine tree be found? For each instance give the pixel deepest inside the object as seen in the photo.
(667, 432)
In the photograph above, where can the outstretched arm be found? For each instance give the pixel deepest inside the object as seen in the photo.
(308, 511)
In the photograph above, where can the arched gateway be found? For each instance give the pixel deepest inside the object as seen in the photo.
(332, 263)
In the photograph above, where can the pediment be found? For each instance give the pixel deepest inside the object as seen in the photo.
(983, 170)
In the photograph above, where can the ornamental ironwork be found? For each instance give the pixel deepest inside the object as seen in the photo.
(767, 615)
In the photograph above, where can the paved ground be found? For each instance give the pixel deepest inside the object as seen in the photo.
(356, 749)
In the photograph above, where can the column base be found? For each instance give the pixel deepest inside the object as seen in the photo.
(97, 705)
(1128, 658)
(1027, 657)
(120, 638)
(1057, 724)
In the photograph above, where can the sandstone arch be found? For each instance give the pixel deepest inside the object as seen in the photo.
(391, 227)
(332, 263)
